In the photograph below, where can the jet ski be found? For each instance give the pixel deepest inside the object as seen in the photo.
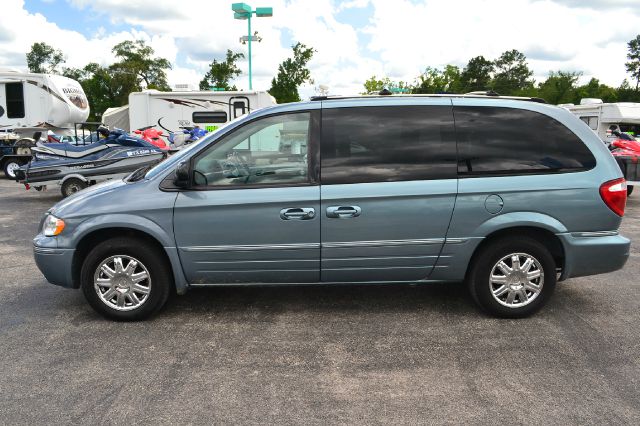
(74, 167)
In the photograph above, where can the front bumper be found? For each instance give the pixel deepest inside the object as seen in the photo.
(591, 253)
(54, 263)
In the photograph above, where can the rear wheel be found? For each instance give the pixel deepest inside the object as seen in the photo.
(629, 189)
(71, 186)
(125, 279)
(512, 278)
(10, 167)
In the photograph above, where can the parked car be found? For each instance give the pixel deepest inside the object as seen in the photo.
(510, 197)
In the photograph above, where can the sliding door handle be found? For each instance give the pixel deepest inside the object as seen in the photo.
(343, 212)
(297, 214)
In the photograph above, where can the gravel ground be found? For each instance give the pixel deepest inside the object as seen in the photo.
(393, 354)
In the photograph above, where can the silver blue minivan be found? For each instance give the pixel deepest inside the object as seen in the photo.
(507, 195)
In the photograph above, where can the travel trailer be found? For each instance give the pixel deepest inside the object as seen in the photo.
(31, 105)
(173, 111)
(40, 100)
(603, 118)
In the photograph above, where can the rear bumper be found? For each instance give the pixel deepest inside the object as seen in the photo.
(591, 253)
(54, 263)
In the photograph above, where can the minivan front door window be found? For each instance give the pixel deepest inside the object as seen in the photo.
(269, 151)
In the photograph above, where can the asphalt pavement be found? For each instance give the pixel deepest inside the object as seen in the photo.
(393, 354)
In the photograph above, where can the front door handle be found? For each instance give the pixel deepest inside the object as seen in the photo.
(343, 212)
(297, 213)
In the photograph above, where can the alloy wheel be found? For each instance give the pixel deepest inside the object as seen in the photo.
(122, 282)
(516, 280)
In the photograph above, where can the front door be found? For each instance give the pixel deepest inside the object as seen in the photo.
(389, 185)
(252, 214)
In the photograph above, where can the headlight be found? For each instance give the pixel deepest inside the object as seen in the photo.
(52, 226)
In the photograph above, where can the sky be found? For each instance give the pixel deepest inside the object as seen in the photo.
(353, 39)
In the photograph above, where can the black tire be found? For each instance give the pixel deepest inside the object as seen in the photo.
(8, 166)
(629, 189)
(151, 258)
(71, 186)
(480, 287)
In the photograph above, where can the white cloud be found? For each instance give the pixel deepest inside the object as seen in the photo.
(402, 37)
(556, 36)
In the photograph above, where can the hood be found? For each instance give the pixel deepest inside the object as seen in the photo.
(73, 203)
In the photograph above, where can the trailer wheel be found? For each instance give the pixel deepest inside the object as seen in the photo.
(23, 150)
(71, 186)
(10, 167)
(629, 189)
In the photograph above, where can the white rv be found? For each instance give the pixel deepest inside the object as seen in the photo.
(34, 100)
(172, 111)
(605, 117)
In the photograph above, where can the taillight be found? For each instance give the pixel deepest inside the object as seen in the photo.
(614, 195)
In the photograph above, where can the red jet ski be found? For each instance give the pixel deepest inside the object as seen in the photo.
(153, 136)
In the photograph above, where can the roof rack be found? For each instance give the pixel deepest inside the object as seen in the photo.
(480, 94)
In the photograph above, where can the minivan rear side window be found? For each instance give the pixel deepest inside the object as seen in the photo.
(506, 141)
(387, 144)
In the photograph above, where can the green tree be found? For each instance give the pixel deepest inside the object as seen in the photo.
(595, 89)
(633, 66)
(375, 85)
(433, 80)
(626, 93)
(220, 73)
(512, 74)
(292, 72)
(136, 58)
(476, 75)
(559, 87)
(44, 59)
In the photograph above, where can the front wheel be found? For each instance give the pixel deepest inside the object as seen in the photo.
(125, 279)
(512, 278)
(629, 189)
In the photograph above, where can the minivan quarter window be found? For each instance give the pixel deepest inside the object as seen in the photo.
(267, 151)
(387, 144)
(505, 141)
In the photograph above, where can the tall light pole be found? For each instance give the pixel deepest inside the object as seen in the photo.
(243, 11)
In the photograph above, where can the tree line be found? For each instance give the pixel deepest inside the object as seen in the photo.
(136, 68)
(509, 74)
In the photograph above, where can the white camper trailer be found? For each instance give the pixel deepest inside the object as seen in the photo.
(32, 100)
(32, 104)
(605, 117)
(172, 111)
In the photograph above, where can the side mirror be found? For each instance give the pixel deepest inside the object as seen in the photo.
(182, 179)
